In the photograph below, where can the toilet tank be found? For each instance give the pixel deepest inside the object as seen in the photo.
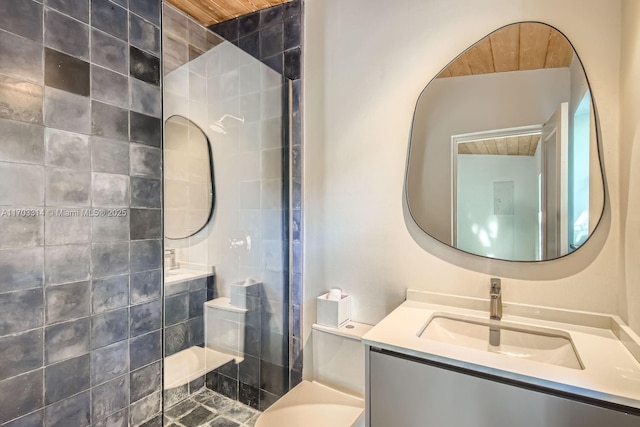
(338, 357)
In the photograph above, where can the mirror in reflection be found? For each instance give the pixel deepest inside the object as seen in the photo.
(503, 158)
(188, 178)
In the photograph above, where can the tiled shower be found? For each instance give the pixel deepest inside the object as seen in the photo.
(81, 295)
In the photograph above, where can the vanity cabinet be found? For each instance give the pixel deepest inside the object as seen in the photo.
(405, 391)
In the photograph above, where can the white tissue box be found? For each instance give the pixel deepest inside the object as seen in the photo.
(331, 312)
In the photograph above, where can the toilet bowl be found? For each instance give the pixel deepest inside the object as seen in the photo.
(335, 397)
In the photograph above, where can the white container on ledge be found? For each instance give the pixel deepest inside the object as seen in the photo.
(333, 308)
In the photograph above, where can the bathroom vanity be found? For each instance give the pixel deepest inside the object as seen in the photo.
(429, 363)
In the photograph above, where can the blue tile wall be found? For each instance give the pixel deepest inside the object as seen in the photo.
(80, 131)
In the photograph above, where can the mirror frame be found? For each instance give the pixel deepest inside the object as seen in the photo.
(563, 266)
(211, 172)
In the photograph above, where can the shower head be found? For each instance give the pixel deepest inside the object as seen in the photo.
(218, 127)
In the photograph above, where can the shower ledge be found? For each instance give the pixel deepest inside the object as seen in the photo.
(192, 363)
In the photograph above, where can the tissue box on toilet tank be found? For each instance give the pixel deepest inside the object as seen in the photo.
(333, 312)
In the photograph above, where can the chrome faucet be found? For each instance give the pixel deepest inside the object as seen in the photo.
(496, 299)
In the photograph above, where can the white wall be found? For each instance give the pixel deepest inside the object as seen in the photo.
(630, 159)
(366, 62)
(479, 230)
(469, 104)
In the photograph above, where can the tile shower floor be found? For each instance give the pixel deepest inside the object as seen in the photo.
(210, 409)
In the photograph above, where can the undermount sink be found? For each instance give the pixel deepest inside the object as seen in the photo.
(539, 344)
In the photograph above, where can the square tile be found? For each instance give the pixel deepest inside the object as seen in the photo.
(145, 98)
(63, 230)
(20, 100)
(109, 155)
(65, 34)
(78, 9)
(144, 66)
(109, 121)
(144, 34)
(109, 52)
(21, 58)
(65, 302)
(149, 10)
(109, 397)
(109, 259)
(110, 18)
(67, 150)
(66, 340)
(65, 264)
(176, 309)
(110, 293)
(20, 353)
(145, 161)
(110, 190)
(108, 328)
(73, 411)
(146, 286)
(271, 40)
(146, 193)
(146, 224)
(176, 339)
(274, 378)
(66, 111)
(110, 229)
(22, 17)
(21, 310)
(66, 378)
(145, 129)
(21, 231)
(109, 362)
(21, 269)
(271, 15)
(145, 318)
(22, 142)
(109, 87)
(146, 255)
(145, 349)
(26, 395)
(67, 187)
(146, 381)
(21, 185)
(144, 411)
(248, 24)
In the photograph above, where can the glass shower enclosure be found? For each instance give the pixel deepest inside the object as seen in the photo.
(226, 216)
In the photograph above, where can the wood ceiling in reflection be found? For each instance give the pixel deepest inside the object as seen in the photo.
(210, 12)
(526, 46)
(523, 145)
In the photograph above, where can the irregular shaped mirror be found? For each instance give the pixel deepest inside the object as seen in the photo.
(503, 158)
(188, 178)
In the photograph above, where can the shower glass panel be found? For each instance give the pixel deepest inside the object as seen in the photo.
(226, 292)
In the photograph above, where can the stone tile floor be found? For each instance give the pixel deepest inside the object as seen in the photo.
(210, 409)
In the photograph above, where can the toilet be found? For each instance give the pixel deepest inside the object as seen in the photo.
(335, 397)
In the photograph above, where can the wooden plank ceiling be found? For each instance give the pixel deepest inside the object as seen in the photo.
(524, 145)
(210, 12)
(526, 46)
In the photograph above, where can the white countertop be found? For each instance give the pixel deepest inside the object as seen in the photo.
(611, 373)
(184, 273)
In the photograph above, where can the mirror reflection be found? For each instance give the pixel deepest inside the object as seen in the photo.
(188, 178)
(503, 158)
